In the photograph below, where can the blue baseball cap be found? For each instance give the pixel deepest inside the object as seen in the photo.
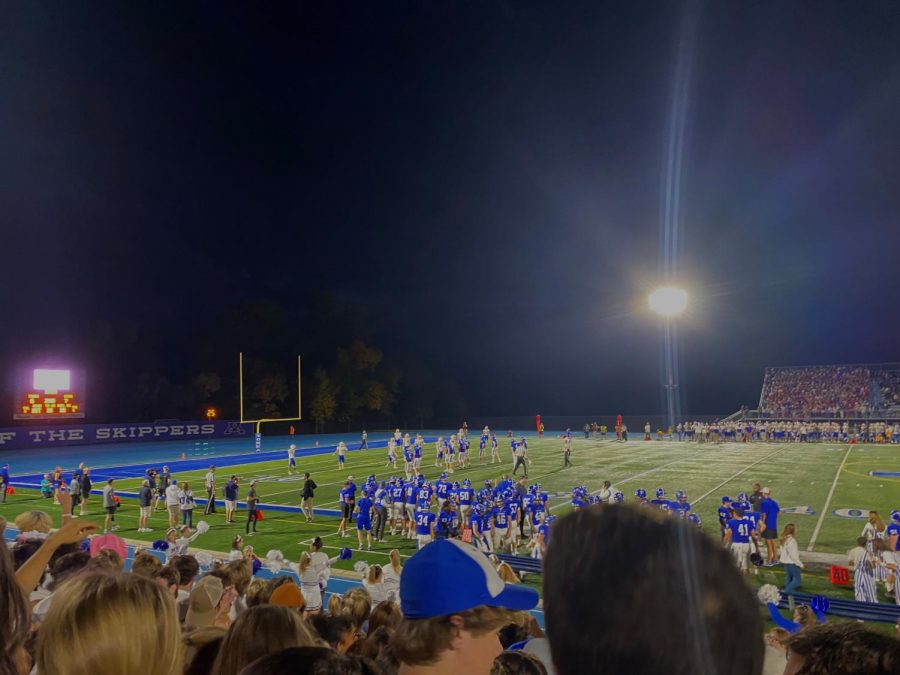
(447, 577)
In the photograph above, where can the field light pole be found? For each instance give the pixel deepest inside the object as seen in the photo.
(669, 302)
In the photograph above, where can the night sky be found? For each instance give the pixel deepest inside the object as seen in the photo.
(484, 178)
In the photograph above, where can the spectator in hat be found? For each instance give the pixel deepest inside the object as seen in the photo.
(704, 617)
(289, 596)
(210, 603)
(453, 604)
(110, 623)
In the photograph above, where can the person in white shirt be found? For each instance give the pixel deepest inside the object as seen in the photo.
(374, 584)
(392, 574)
(210, 491)
(292, 459)
(309, 585)
(790, 558)
(186, 503)
(320, 563)
(173, 502)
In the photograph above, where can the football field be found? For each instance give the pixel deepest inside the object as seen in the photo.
(825, 489)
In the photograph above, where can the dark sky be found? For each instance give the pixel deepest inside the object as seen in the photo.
(485, 177)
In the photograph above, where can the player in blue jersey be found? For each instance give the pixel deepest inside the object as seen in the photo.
(439, 451)
(738, 531)
(743, 502)
(485, 511)
(292, 459)
(364, 508)
(348, 502)
(482, 446)
(465, 495)
(681, 505)
(641, 495)
(528, 511)
(341, 451)
(694, 519)
(412, 494)
(408, 469)
(495, 449)
(500, 517)
(463, 455)
(660, 500)
(724, 515)
(444, 521)
(543, 537)
(424, 522)
(513, 508)
(892, 535)
(417, 456)
(442, 489)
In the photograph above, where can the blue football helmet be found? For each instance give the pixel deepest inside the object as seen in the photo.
(640, 493)
(681, 495)
(618, 497)
(695, 519)
(660, 493)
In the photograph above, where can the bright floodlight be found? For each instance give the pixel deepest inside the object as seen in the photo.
(668, 301)
(52, 381)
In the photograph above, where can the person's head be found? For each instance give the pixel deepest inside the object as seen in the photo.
(356, 606)
(875, 519)
(187, 567)
(517, 663)
(114, 623)
(375, 574)
(777, 638)
(204, 600)
(288, 596)
(453, 604)
(16, 613)
(316, 544)
(185, 486)
(306, 475)
(842, 649)
(33, 521)
(109, 481)
(107, 560)
(260, 631)
(805, 616)
(376, 642)
(315, 660)
(200, 649)
(171, 535)
(146, 483)
(337, 631)
(756, 487)
(335, 605)
(861, 541)
(256, 593)
(394, 557)
(237, 543)
(145, 564)
(168, 578)
(790, 530)
(766, 492)
(702, 610)
(387, 614)
(240, 574)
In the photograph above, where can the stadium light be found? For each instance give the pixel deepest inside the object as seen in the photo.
(668, 301)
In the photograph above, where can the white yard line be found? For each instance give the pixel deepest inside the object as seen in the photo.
(732, 477)
(815, 534)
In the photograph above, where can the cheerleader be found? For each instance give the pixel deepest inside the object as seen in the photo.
(495, 449)
(309, 585)
(888, 565)
(392, 574)
(863, 565)
(408, 468)
(451, 453)
(374, 583)
(321, 563)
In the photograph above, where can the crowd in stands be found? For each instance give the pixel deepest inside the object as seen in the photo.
(831, 391)
(627, 588)
(888, 383)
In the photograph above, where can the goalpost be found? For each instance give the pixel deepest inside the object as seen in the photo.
(259, 423)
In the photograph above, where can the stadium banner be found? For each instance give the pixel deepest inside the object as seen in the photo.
(19, 438)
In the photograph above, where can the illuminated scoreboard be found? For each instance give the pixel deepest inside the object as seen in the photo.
(49, 394)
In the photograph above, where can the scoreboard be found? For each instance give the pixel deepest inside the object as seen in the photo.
(49, 394)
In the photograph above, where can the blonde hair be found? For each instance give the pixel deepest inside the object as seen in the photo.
(145, 564)
(305, 560)
(395, 560)
(256, 593)
(879, 523)
(335, 605)
(34, 521)
(110, 623)
(356, 606)
(375, 574)
(258, 632)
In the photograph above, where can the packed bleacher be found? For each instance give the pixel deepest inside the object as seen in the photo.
(634, 588)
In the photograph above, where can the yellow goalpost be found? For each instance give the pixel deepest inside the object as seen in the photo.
(259, 423)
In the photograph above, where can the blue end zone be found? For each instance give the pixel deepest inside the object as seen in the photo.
(885, 474)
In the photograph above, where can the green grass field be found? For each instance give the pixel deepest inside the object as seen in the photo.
(799, 475)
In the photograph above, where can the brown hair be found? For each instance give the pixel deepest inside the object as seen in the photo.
(187, 567)
(386, 613)
(115, 623)
(240, 574)
(845, 649)
(168, 574)
(703, 610)
(145, 565)
(335, 604)
(789, 529)
(420, 642)
(517, 663)
(107, 560)
(258, 632)
(14, 615)
(256, 593)
(375, 574)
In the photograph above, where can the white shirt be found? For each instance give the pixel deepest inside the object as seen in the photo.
(392, 582)
(790, 553)
(173, 495)
(377, 592)
(855, 556)
(210, 479)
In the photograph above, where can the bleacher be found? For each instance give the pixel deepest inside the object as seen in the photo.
(851, 609)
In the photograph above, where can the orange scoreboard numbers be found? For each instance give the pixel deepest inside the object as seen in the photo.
(48, 393)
